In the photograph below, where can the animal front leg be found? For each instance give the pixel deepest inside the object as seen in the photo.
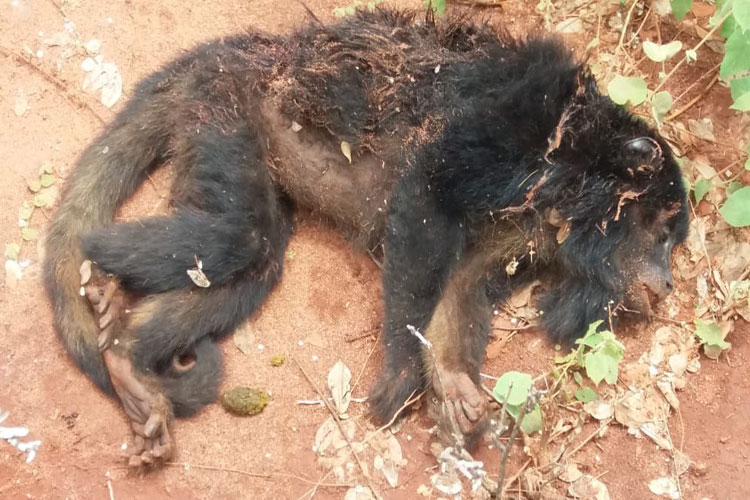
(421, 245)
(458, 336)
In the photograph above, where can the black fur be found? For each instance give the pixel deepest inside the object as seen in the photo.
(481, 135)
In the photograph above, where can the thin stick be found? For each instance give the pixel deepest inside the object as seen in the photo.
(259, 475)
(72, 98)
(110, 489)
(336, 418)
(585, 441)
(625, 26)
(645, 18)
(512, 479)
(695, 99)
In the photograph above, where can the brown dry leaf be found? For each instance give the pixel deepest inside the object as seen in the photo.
(393, 461)
(522, 296)
(589, 488)
(339, 379)
(244, 338)
(346, 149)
(21, 103)
(599, 409)
(563, 233)
(664, 487)
(198, 277)
(703, 128)
(702, 9)
(734, 258)
(359, 492)
(570, 473)
(696, 239)
(13, 273)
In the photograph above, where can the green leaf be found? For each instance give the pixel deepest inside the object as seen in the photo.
(722, 7)
(12, 250)
(46, 180)
(660, 53)
(691, 55)
(45, 198)
(592, 340)
(585, 395)
(742, 103)
(739, 86)
(627, 88)
(437, 6)
(701, 188)
(600, 365)
(709, 333)
(732, 187)
(561, 360)
(34, 185)
(736, 210)
(741, 13)
(593, 43)
(662, 103)
(28, 234)
(680, 8)
(24, 213)
(578, 378)
(736, 54)
(521, 384)
(532, 421)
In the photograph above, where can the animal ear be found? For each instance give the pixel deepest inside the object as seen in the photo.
(645, 146)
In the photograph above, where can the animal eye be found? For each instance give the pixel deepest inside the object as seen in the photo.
(663, 237)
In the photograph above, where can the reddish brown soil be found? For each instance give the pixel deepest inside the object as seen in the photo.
(329, 298)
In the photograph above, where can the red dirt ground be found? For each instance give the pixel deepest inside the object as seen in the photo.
(329, 298)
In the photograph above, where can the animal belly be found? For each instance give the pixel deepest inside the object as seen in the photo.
(318, 177)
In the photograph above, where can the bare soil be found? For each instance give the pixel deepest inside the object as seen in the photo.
(327, 307)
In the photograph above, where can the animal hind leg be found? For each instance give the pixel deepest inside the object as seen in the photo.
(223, 197)
(162, 357)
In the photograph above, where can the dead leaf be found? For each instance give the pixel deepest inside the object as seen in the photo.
(325, 435)
(346, 149)
(446, 483)
(198, 277)
(244, 338)
(570, 474)
(13, 273)
(665, 487)
(696, 238)
(571, 25)
(393, 461)
(359, 492)
(703, 128)
(104, 77)
(589, 488)
(599, 409)
(21, 103)
(522, 296)
(339, 379)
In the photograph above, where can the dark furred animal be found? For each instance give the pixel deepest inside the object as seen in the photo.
(472, 153)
